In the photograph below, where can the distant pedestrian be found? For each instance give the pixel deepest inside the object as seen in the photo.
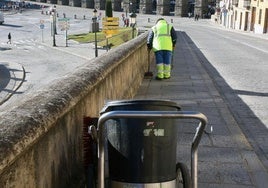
(196, 17)
(126, 21)
(99, 17)
(123, 19)
(189, 14)
(9, 38)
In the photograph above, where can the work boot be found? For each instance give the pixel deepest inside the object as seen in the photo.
(157, 78)
(167, 69)
(160, 71)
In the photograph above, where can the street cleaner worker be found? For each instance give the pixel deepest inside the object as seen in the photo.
(162, 39)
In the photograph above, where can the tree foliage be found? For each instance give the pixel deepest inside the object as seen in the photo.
(108, 9)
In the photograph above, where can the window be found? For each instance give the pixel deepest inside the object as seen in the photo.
(260, 13)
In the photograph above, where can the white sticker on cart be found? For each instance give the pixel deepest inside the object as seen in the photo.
(154, 132)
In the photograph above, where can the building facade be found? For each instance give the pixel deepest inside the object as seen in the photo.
(259, 16)
(245, 15)
(180, 8)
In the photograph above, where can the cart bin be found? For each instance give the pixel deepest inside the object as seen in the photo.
(141, 150)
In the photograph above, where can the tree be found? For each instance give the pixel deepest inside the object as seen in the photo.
(108, 9)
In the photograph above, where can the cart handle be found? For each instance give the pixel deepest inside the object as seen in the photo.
(152, 114)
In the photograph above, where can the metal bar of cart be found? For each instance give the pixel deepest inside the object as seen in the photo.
(152, 114)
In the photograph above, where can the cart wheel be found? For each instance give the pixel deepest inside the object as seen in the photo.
(183, 179)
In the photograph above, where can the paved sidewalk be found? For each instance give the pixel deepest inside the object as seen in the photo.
(11, 77)
(225, 157)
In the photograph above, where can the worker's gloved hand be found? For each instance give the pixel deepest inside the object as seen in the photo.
(149, 47)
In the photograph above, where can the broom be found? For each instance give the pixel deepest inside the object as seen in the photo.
(148, 74)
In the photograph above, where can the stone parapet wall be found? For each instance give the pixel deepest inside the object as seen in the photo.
(41, 140)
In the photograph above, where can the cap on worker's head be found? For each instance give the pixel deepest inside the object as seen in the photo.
(159, 19)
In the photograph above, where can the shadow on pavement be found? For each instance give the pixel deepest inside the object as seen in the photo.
(4, 77)
(11, 79)
(251, 126)
(251, 93)
(10, 25)
(5, 48)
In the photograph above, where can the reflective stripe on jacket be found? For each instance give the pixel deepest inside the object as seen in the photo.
(162, 38)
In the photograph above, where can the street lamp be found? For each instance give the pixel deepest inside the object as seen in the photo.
(133, 22)
(95, 29)
(130, 7)
(54, 24)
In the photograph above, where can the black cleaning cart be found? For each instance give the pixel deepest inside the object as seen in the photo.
(137, 143)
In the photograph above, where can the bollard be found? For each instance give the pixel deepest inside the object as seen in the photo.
(84, 17)
(148, 20)
(64, 15)
(171, 20)
(75, 16)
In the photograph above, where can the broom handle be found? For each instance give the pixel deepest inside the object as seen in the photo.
(149, 60)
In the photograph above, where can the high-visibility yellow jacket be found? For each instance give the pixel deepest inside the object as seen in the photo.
(162, 36)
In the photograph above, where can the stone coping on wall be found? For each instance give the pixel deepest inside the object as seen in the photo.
(23, 125)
